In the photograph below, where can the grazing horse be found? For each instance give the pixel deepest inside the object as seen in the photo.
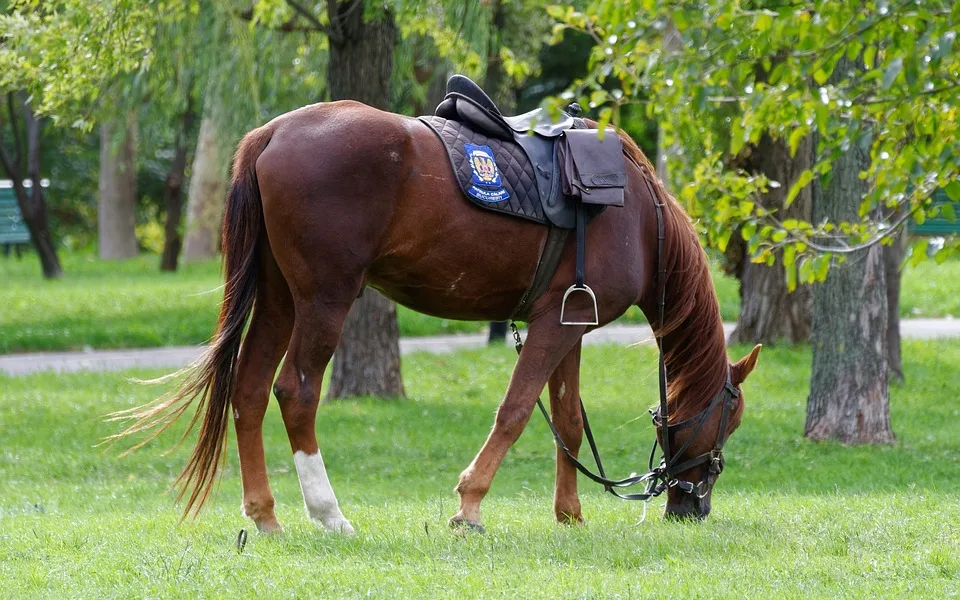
(336, 196)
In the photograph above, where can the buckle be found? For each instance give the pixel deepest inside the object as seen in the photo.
(716, 461)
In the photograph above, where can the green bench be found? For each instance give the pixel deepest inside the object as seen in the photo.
(13, 230)
(939, 226)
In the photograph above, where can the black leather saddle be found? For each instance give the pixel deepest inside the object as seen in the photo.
(513, 165)
(466, 102)
(524, 147)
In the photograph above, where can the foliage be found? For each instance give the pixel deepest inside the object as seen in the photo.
(790, 518)
(749, 68)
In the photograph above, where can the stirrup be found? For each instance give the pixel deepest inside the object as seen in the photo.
(584, 288)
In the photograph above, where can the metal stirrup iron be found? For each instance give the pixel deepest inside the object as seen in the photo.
(580, 287)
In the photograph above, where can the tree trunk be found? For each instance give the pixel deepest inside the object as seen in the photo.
(25, 164)
(208, 186)
(116, 212)
(768, 313)
(173, 192)
(849, 398)
(892, 260)
(367, 360)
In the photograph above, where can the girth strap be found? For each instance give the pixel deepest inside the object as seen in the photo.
(546, 267)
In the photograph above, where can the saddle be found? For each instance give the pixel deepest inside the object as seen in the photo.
(553, 171)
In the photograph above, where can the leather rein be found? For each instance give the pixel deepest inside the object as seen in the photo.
(665, 475)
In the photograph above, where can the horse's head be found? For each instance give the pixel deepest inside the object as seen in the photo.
(689, 494)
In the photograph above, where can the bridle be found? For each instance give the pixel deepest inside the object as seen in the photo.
(666, 474)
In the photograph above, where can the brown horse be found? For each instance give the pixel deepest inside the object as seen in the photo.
(333, 197)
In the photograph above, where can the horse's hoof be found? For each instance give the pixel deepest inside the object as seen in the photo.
(565, 518)
(269, 527)
(461, 525)
(338, 525)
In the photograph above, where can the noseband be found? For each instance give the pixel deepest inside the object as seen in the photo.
(665, 475)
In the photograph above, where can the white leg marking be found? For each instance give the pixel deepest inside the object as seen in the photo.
(318, 495)
(563, 389)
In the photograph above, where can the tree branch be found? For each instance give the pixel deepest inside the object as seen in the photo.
(17, 143)
(309, 16)
(291, 25)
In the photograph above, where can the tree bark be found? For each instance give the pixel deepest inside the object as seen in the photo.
(116, 212)
(173, 192)
(367, 359)
(892, 260)
(208, 186)
(25, 164)
(768, 312)
(849, 397)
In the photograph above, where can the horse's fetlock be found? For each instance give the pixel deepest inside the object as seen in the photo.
(258, 508)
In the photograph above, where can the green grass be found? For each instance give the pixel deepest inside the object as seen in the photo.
(130, 304)
(791, 518)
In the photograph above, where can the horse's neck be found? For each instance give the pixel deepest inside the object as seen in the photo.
(694, 349)
(696, 367)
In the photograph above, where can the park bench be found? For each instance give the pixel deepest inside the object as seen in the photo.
(939, 226)
(13, 230)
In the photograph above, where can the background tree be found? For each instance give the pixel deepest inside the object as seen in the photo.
(116, 209)
(755, 71)
(20, 159)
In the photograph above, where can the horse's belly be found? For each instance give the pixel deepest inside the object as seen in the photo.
(460, 278)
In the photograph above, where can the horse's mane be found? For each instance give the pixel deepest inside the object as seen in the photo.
(695, 356)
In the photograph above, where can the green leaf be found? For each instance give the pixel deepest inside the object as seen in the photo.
(748, 230)
(763, 22)
(868, 55)
(953, 190)
(737, 138)
(948, 213)
(806, 271)
(822, 267)
(796, 136)
(791, 272)
(942, 255)
(821, 76)
(805, 177)
(789, 255)
(891, 72)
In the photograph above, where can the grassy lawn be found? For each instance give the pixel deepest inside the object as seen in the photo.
(130, 304)
(791, 519)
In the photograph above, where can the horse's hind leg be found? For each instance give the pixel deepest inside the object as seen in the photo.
(547, 343)
(565, 413)
(263, 348)
(315, 335)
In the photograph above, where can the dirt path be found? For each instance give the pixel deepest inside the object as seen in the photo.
(176, 357)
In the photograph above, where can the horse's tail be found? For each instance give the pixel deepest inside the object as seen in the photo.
(212, 376)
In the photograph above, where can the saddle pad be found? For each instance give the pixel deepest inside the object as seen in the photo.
(509, 185)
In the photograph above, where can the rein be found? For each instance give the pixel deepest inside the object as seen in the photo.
(657, 478)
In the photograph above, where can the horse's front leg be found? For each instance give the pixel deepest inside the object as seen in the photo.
(565, 413)
(546, 345)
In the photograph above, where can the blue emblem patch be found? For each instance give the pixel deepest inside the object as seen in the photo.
(487, 185)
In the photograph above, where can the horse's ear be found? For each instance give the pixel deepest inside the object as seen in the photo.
(744, 366)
